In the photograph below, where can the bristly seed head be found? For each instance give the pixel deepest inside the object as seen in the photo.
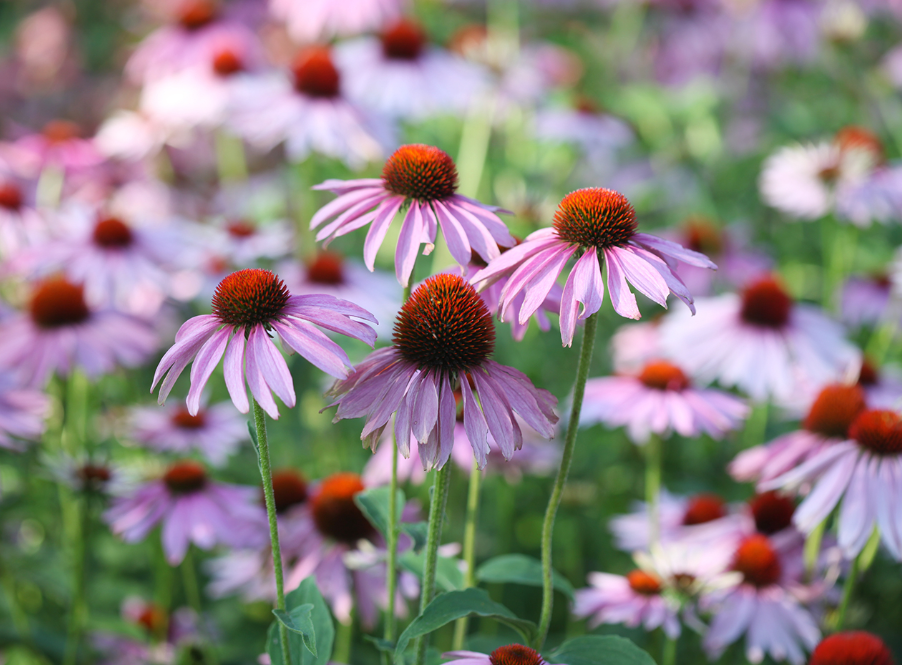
(112, 233)
(595, 217)
(57, 302)
(326, 268)
(289, 488)
(403, 41)
(766, 304)
(195, 14)
(226, 62)
(183, 419)
(445, 325)
(335, 513)
(772, 512)
(644, 583)
(662, 375)
(315, 75)
(10, 196)
(250, 297)
(704, 508)
(421, 172)
(834, 409)
(854, 647)
(878, 430)
(185, 477)
(758, 562)
(515, 654)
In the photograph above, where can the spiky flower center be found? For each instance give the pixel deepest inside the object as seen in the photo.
(515, 654)
(60, 131)
(403, 41)
(240, 228)
(595, 217)
(250, 297)
(765, 304)
(195, 14)
(662, 375)
(226, 62)
(700, 235)
(878, 430)
(289, 489)
(421, 172)
(644, 583)
(112, 233)
(186, 477)
(183, 419)
(772, 512)
(445, 325)
(834, 409)
(315, 75)
(335, 513)
(758, 562)
(326, 268)
(10, 196)
(57, 302)
(854, 647)
(703, 508)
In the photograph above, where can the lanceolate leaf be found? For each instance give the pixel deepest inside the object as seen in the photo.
(600, 650)
(520, 569)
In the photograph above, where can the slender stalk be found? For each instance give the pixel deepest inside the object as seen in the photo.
(344, 634)
(668, 655)
(755, 426)
(847, 590)
(19, 617)
(78, 612)
(189, 580)
(653, 486)
(469, 549)
(433, 540)
(269, 499)
(579, 389)
(813, 549)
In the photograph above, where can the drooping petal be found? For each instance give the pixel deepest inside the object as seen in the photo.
(233, 370)
(674, 250)
(272, 365)
(408, 243)
(314, 346)
(475, 425)
(374, 237)
(204, 364)
(584, 285)
(621, 297)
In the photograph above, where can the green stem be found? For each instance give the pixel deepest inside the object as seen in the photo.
(20, 618)
(668, 655)
(847, 590)
(582, 375)
(269, 499)
(433, 540)
(78, 612)
(839, 243)
(344, 634)
(653, 487)
(755, 426)
(813, 549)
(189, 580)
(469, 549)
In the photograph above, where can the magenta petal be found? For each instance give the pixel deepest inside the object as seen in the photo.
(454, 234)
(336, 322)
(521, 401)
(488, 219)
(342, 203)
(233, 369)
(374, 237)
(351, 219)
(674, 250)
(623, 300)
(512, 258)
(408, 243)
(640, 270)
(584, 285)
(475, 425)
(257, 384)
(553, 257)
(424, 408)
(497, 415)
(447, 419)
(314, 346)
(308, 306)
(175, 533)
(272, 365)
(204, 364)
(537, 289)
(402, 418)
(191, 336)
(388, 403)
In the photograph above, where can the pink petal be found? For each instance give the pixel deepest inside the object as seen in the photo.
(233, 369)
(374, 237)
(271, 365)
(408, 243)
(204, 364)
(623, 300)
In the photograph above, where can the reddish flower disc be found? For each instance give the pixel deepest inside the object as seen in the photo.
(185, 477)
(834, 409)
(10, 196)
(765, 304)
(644, 583)
(326, 268)
(854, 647)
(241, 228)
(403, 41)
(195, 14)
(772, 512)
(662, 375)
(701, 235)
(421, 172)
(112, 233)
(878, 430)
(595, 217)
(515, 654)
(289, 488)
(56, 303)
(758, 562)
(182, 419)
(335, 513)
(250, 297)
(704, 508)
(58, 131)
(315, 75)
(226, 62)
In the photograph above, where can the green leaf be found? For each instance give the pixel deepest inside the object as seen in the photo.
(374, 504)
(453, 605)
(447, 572)
(320, 625)
(520, 569)
(600, 650)
(299, 621)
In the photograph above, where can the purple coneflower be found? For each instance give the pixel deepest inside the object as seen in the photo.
(660, 400)
(864, 471)
(827, 423)
(424, 179)
(21, 226)
(191, 507)
(305, 109)
(443, 338)
(215, 431)
(512, 654)
(762, 607)
(865, 298)
(854, 647)
(252, 303)
(60, 332)
(402, 75)
(597, 224)
(677, 518)
(760, 341)
(58, 145)
(313, 20)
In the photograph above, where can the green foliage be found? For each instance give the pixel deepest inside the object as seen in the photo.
(311, 630)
